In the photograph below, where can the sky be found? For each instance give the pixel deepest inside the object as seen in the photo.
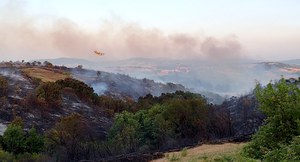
(175, 29)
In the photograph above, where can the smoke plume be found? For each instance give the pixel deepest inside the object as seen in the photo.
(30, 37)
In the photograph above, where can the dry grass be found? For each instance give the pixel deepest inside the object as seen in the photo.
(203, 153)
(46, 75)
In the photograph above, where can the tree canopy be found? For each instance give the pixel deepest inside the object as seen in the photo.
(280, 134)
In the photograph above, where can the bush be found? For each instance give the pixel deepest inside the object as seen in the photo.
(16, 141)
(281, 103)
(13, 140)
(5, 156)
(81, 89)
(49, 93)
(293, 150)
(123, 135)
(34, 142)
(3, 86)
(65, 139)
(184, 152)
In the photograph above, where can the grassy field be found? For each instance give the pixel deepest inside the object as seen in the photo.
(207, 153)
(44, 74)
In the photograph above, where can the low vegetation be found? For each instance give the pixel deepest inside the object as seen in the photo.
(207, 153)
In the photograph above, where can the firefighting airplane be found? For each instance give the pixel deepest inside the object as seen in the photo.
(99, 53)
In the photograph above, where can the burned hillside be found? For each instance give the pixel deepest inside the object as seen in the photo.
(23, 80)
(107, 108)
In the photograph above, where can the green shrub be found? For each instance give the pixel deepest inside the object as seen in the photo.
(49, 92)
(16, 141)
(123, 135)
(174, 157)
(293, 150)
(34, 142)
(281, 103)
(5, 156)
(289, 152)
(184, 152)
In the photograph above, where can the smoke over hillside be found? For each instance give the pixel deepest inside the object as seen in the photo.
(201, 62)
(226, 78)
(35, 37)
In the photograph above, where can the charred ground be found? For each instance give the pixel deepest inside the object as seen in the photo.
(44, 95)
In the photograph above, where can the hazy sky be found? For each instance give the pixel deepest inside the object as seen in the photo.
(214, 29)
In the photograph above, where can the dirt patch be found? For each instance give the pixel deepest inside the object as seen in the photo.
(44, 74)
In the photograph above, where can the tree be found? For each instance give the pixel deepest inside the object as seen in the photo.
(281, 103)
(13, 139)
(123, 135)
(82, 90)
(98, 74)
(148, 132)
(80, 67)
(49, 91)
(3, 86)
(48, 64)
(34, 142)
(66, 137)
(50, 94)
(188, 117)
(179, 119)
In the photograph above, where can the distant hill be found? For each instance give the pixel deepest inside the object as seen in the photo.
(121, 85)
(69, 62)
(292, 62)
(227, 79)
(156, 69)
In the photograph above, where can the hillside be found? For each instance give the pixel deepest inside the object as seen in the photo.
(20, 101)
(24, 78)
(108, 107)
(223, 78)
(120, 85)
(292, 62)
